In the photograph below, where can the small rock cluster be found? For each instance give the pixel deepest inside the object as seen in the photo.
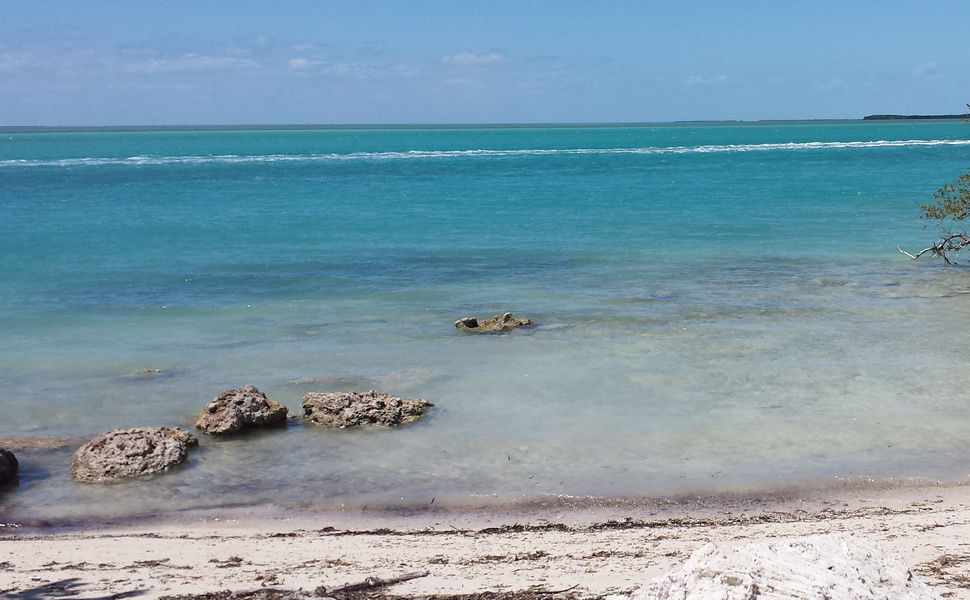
(139, 451)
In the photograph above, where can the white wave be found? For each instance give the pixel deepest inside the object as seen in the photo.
(476, 153)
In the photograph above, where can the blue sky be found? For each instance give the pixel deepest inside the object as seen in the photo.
(174, 62)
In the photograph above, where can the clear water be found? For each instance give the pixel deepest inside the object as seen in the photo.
(717, 305)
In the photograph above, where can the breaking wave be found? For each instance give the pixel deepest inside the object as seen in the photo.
(458, 154)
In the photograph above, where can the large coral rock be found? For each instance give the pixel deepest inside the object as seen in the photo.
(8, 467)
(836, 565)
(353, 409)
(132, 452)
(235, 410)
(496, 323)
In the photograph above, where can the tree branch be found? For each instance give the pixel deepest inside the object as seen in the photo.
(953, 242)
(368, 584)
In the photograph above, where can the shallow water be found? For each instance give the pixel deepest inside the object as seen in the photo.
(716, 306)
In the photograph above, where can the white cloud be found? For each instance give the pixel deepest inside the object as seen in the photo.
(54, 62)
(353, 70)
(11, 62)
(928, 69)
(473, 58)
(706, 79)
(321, 66)
(831, 84)
(189, 63)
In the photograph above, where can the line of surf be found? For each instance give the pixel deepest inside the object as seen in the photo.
(475, 153)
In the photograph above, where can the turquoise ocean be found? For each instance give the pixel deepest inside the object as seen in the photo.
(719, 307)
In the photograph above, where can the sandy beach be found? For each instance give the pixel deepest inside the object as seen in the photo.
(574, 547)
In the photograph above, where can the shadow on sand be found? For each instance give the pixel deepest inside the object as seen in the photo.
(64, 589)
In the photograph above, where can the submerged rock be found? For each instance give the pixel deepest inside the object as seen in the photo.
(8, 467)
(496, 323)
(134, 452)
(235, 410)
(41, 444)
(353, 409)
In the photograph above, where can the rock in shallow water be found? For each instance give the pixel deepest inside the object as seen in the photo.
(353, 409)
(134, 452)
(8, 467)
(235, 410)
(496, 323)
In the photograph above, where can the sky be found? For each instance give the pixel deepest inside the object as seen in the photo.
(201, 62)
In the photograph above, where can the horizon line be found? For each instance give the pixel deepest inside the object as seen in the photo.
(416, 125)
(475, 125)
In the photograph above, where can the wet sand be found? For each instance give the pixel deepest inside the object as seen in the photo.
(574, 547)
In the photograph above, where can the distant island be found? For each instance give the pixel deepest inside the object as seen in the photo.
(894, 117)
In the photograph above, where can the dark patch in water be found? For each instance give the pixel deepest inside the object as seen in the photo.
(27, 444)
(335, 381)
(153, 375)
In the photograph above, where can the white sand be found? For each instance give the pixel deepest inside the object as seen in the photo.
(591, 550)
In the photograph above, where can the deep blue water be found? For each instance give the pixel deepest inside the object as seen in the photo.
(717, 305)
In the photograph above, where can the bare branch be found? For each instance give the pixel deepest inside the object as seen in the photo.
(951, 243)
(918, 254)
(368, 584)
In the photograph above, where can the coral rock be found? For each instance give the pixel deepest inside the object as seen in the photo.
(496, 323)
(235, 410)
(132, 452)
(353, 409)
(835, 565)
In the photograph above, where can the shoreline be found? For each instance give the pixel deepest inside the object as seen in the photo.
(592, 549)
(673, 501)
